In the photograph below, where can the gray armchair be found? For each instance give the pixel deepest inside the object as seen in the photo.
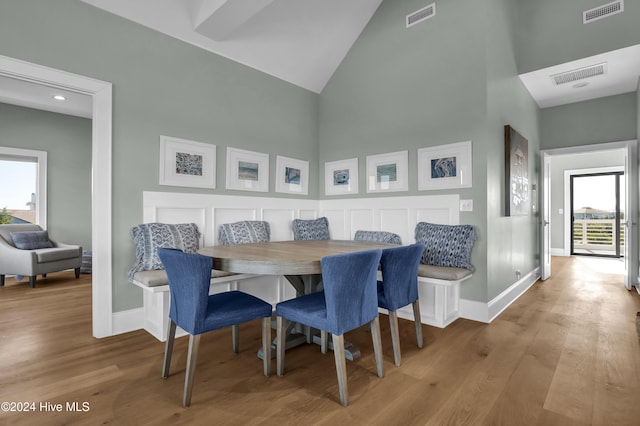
(47, 256)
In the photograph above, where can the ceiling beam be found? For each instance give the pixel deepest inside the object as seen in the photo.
(217, 19)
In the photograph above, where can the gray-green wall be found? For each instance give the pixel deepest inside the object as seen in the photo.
(161, 86)
(609, 119)
(551, 32)
(67, 141)
(452, 78)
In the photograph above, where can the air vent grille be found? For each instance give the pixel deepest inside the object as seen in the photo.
(579, 74)
(602, 11)
(420, 15)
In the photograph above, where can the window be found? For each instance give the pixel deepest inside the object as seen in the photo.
(23, 175)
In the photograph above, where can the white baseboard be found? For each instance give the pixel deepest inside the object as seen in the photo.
(487, 312)
(557, 252)
(126, 321)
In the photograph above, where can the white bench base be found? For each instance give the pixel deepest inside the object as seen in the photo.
(439, 302)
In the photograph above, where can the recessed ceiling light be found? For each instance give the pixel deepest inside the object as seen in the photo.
(59, 98)
(579, 85)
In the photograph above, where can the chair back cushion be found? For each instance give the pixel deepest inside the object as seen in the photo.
(244, 232)
(446, 245)
(7, 229)
(349, 282)
(149, 237)
(399, 285)
(31, 240)
(314, 229)
(378, 236)
(189, 276)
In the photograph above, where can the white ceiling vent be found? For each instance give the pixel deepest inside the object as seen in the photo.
(579, 74)
(420, 15)
(603, 11)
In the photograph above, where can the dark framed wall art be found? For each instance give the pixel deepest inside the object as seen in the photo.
(516, 149)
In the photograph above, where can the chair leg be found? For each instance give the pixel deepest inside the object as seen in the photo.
(44, 275)
(77, 271)
(280, 344)
(32, 281)
(324, 340)
(192, 358)
(266, 345)
(168, 348)
(235, 337)
(418, 321)
(377, 345)
(1, 280)
(395, 337)
(341, 367)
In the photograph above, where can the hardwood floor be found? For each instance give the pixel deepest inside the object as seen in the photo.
(565, 353)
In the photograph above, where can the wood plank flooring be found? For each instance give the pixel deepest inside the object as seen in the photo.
(565, 353)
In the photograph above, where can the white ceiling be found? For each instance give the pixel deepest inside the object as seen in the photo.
(301, 42)
(19, 92)
(623, 70)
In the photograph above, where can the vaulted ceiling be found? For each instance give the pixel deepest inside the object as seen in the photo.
(299, 41)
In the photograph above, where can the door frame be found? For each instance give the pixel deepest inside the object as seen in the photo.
(101, 170)
(630, 148)
(567, 197)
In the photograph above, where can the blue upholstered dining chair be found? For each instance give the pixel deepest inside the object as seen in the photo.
(377, 236)
(311, 229)
(197, 312)
(399, 287)
(347, 302)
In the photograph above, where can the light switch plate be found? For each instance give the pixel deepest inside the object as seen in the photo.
(466, 205)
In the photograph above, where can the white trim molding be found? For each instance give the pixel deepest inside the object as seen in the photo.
(487, 312)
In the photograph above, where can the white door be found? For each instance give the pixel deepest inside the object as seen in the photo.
(545, 214)
(630, 218)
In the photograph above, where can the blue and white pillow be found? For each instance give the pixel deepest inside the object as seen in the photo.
(149, 237)
(446, 245)
(244, 232)
(314, 229)
(378, 236)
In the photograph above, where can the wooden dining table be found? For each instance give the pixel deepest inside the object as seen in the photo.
(298, 261)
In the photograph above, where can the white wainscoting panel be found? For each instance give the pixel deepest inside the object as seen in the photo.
(393, 214)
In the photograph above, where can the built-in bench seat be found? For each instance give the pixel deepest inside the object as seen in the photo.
(439, 293)
(156, 296)
(439, 287)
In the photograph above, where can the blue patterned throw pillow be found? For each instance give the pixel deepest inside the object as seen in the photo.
(149, 237)
(314, 229)
(378, 236)
(447, 245)
(244, 232)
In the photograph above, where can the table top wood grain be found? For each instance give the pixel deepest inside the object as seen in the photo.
(282, 257)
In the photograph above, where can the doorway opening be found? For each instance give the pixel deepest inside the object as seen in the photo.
(597, 214)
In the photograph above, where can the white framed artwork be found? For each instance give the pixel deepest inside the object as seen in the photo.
(341, 177)
(247, 170)
(292, 176)
(388, 172)
(445, 166)
(187, 163)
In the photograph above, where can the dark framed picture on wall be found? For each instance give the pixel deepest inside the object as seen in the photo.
(516, 150)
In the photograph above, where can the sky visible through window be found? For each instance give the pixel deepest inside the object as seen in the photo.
(597, 192)
(17, 183)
